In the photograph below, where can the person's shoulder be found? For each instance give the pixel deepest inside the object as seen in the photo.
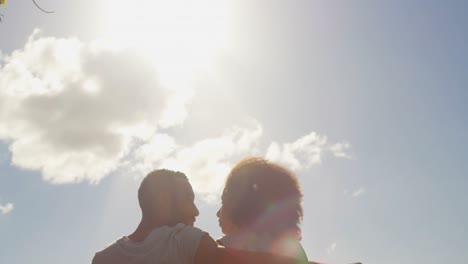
(189, 231)
(104, 255)
(185, 227)
(201, 245)
(98, 258)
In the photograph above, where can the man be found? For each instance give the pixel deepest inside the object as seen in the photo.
(165, 233)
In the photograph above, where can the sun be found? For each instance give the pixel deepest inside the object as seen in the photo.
(181, 37)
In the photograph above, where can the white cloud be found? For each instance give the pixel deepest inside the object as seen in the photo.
(73, 110)
(77, 111)
(6, 208)
(147, 155)
(331, 248)
(354, 193)
(358, 192)
(302, 153)
(339, 150)
(305, 152)
(206, 162)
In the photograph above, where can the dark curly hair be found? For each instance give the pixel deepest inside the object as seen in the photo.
(264, 196)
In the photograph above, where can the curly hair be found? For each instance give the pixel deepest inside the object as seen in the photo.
(264, 196)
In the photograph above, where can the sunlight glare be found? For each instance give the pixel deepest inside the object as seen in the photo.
(181, 37)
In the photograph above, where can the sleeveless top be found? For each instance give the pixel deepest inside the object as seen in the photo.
(164, 245)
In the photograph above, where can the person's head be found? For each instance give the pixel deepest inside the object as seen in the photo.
(166, 198)
(261, 195)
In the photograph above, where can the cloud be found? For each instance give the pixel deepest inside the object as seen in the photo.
(339, 150)
(331, 248)
(206, 162)
(78, 111)
(6, 208)
(73, 110)
(358, 192)
(304, 152)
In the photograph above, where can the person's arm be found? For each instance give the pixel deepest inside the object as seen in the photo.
(96, 259)
(207, 251)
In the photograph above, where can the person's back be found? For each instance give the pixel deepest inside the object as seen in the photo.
(165, 244)
(165, 233)
(236, 256)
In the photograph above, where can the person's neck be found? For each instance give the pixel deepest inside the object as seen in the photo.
(143, 230)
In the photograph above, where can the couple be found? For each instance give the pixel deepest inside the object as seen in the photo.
(260, 215)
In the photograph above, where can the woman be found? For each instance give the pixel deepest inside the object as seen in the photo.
(261, 210)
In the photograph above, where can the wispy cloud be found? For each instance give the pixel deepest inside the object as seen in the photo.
(331, 248)
(304, 152)
(354, 193)
(6, 208)
(358, 192)
(339, 149)
(206, 162)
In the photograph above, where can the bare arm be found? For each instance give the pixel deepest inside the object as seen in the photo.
(207, 251)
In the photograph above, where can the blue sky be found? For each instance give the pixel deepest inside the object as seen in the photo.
(366, 101)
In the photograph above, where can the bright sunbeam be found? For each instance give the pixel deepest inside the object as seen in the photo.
(181, 37)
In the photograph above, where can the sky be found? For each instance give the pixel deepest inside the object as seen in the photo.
(364, 100)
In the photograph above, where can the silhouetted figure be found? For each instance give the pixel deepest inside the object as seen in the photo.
(165, 233)
(261, 212)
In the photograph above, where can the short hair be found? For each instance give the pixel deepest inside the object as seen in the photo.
(155, 182)
(264, 196)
